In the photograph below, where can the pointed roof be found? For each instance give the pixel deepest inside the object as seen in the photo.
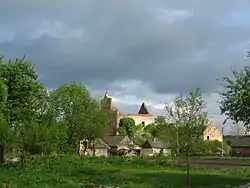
(143, 109)
(106, 95)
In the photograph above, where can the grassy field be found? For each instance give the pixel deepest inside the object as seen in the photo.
(73, 171)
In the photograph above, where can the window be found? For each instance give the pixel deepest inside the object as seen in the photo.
(207, 137)
(143, 123)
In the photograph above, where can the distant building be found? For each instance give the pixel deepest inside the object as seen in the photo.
(87, 147)
(212, 133)
(114, 115)
(153, 148)
(240, 146)
(144, 117)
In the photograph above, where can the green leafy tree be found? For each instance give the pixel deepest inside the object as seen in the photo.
(235, 102)
(190, 116)
(23, 99)
(127, 126)
(3, 126)
(81, 114)
(153, 130)
(97, 126)
(160, 120)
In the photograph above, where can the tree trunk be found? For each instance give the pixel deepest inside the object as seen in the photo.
(94, 149)
(188, 170)
(1, 154)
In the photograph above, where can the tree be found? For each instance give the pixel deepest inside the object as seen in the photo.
(235, 99)
(160, 120)
(127, 126)
(189, 115)
(152, 129)
(97, 127)
(26, 101)
(80, 113)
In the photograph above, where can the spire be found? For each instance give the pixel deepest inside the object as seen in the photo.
(143, 109)
(106, 94)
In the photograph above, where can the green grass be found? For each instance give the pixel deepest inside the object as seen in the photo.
(73, 171)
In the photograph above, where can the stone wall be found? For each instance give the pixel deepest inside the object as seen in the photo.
(212, 133)
(140, 118)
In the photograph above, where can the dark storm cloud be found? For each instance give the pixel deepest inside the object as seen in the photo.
(172, 45)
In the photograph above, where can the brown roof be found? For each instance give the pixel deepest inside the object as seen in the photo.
(115, 140)
(143, 109)
(99, 144)
(155, 144)
(241, 141)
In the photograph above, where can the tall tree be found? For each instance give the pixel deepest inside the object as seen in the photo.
(4, 128)
(190, 116)
(235, 99)
(24, 98)
(78, 110)
(152, 129)
(127, 126)
(97, 126)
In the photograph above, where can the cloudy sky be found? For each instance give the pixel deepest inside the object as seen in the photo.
(140, 50)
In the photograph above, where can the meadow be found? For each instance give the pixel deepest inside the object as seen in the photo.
(73, 171)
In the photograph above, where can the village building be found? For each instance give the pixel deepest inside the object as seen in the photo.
(154, 148)
(87, 148)
(240, 146)
(144, 117)
(212, 133)
(114, 115)
(120, 144)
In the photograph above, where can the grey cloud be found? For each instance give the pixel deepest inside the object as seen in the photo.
(123, 40)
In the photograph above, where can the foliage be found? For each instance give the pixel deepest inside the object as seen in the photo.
(190, 118)
(235, 102)
(127, 126)
(25, 99)
(81, 113)
(209, 147)
(153, 130)
(67, 171)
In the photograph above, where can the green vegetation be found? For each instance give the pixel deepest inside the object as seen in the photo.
(73, 171)
(35, 121)
(235, 102)
(127, 126)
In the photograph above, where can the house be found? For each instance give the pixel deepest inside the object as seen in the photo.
(87, 147)
(229, 139)
(212, 133)
(114, 115)
(120, 144)
(151, 148)
(241, 146)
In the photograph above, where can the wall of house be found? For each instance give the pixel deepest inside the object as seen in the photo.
(99, 152)
(146, 152)
(127, 143)
(139, 118)
(240, 152)
(212, 133)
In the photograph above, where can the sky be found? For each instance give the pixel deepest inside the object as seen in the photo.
(138, 50)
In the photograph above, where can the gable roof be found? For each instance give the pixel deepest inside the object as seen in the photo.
(155, 144)
(99, 144)
(115, 140)
(241, 141)
(143, 109)
(209, 127)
